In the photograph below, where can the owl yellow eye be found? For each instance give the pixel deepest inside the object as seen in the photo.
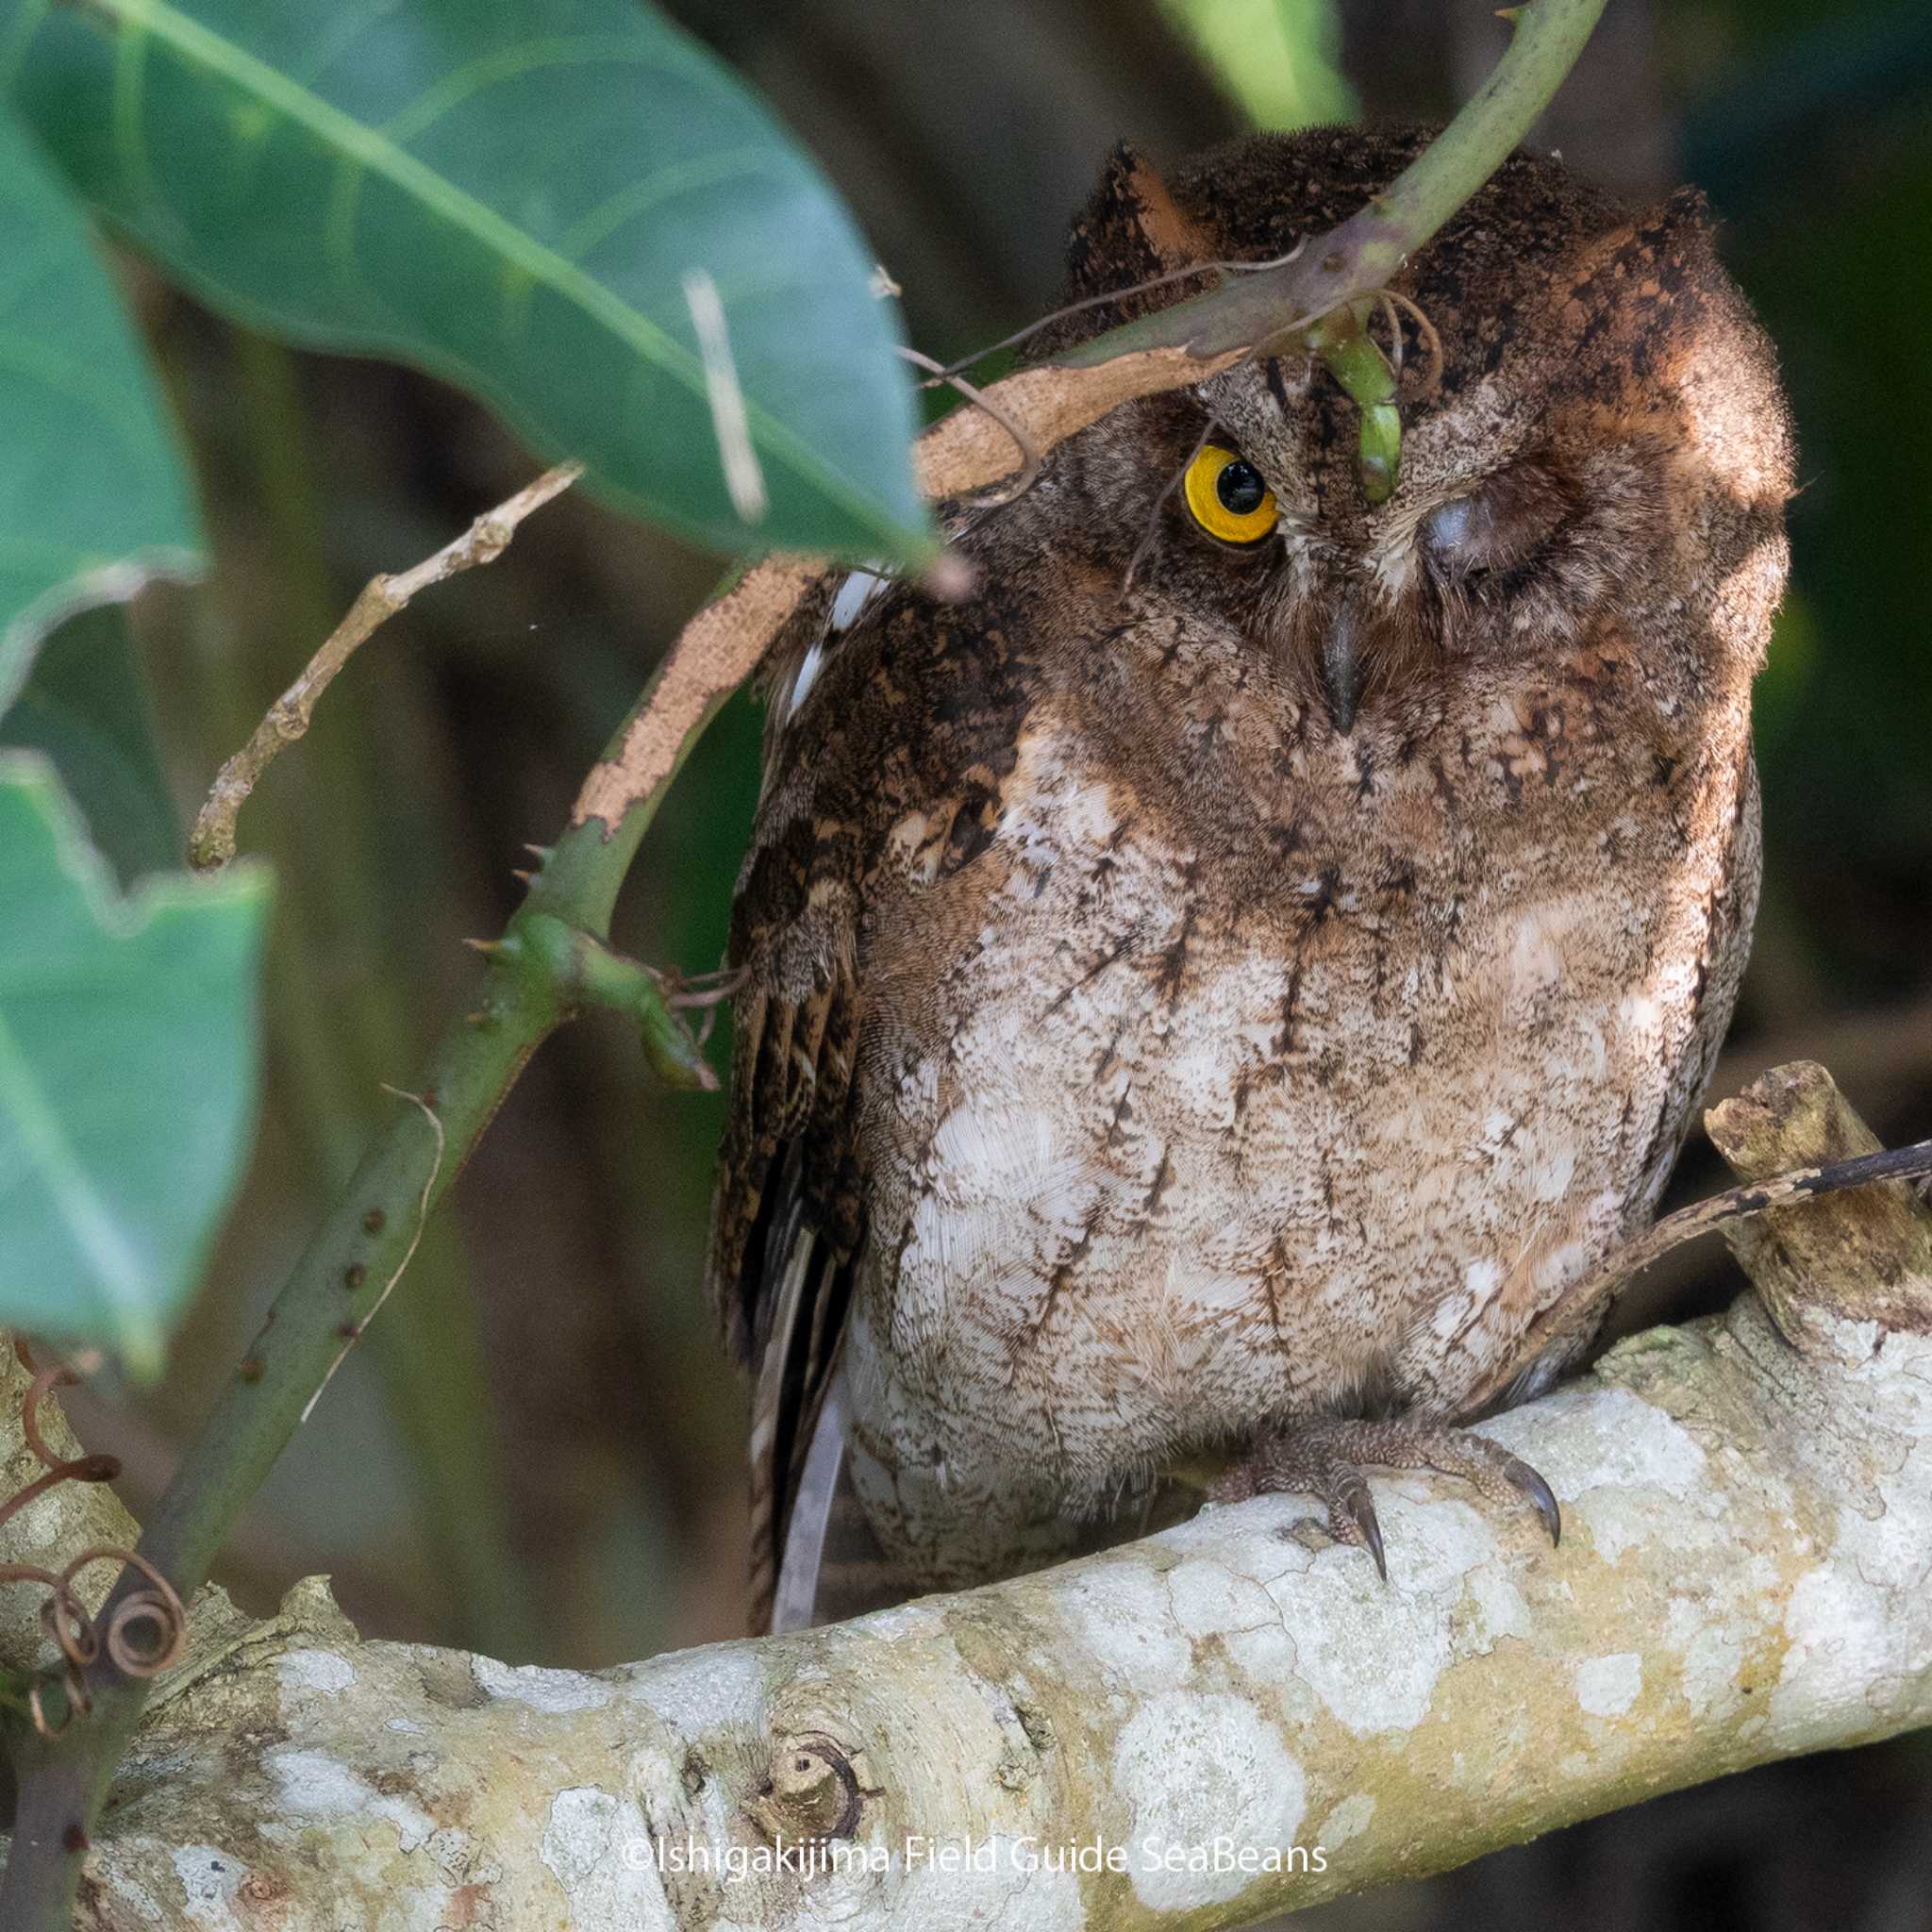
(1227, 497)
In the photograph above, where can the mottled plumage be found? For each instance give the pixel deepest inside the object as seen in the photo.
(1177, 1013)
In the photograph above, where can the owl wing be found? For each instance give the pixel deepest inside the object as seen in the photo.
(787, 1220)
(784, 1243)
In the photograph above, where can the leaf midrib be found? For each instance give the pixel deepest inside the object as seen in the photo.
(200, 45)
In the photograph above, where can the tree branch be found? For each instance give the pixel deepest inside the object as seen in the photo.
(212, 841)
(1743, 1579)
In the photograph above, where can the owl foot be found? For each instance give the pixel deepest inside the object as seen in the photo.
(1320, 1459)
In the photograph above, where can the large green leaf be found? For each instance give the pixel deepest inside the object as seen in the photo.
(128, 1073)
(86, 706)
(513, 193)
(92, 499)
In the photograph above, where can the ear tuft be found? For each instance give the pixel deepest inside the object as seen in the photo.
(1131, 228)
(1688, 208)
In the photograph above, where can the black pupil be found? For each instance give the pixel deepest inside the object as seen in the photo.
(1240, 487)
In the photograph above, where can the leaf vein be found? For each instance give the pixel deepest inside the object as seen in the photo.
(198, 45)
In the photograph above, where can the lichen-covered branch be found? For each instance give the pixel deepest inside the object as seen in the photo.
(1223, 1720)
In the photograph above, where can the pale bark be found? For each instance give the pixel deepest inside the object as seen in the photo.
(1743, 1575)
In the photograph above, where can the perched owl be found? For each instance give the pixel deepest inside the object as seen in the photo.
(1205, 993)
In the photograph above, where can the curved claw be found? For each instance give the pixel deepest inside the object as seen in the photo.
(1538, 1492)
(1350, 1497)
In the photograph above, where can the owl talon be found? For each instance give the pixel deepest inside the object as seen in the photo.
(1320, 1459)
(1538, 1492)
(1352, 1513)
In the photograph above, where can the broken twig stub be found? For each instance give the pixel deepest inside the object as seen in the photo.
(212, 843)
(1860, 1257)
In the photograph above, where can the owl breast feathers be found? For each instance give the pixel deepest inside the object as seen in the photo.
(1243, 963)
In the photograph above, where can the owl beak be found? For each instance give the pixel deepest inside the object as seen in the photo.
(1344, 667)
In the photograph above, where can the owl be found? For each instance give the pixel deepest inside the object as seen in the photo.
(1207, 993)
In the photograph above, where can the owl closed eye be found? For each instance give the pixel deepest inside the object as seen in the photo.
(1499, 527)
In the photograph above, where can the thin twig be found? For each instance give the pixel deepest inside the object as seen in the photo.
(1030, 456)
(1579, 1302)
(1114, 296)
(212, 843)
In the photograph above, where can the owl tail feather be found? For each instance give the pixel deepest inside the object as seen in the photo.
(832, 1567)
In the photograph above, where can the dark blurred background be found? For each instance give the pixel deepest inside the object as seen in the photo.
(539, 1452)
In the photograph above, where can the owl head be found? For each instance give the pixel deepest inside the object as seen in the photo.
(1596, 457)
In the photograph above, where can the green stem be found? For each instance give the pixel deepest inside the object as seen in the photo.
(583, 872)
(1342, 340)
(347, 1268)
(1368, 249)
(429, 1350)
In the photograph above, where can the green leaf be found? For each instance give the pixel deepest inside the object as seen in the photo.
(1277, 58)
(86, 706)
(128, 1074)
(516, 195)
(92, 496)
